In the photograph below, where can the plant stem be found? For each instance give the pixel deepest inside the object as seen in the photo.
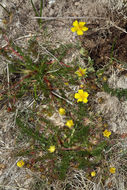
(5, 9)
(36, 13)
(41, 7)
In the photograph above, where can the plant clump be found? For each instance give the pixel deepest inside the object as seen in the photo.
(66, 91)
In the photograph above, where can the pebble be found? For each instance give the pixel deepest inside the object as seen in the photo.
(77, 3)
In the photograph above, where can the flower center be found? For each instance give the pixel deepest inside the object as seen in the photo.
(81, 72)
(79, 27)
(82, 96)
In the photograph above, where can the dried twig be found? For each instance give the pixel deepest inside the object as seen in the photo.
(28, 36)
(12, 187)
(8, 80)
(50, 53)
(66, 18)
(119, 28)
(62, 98)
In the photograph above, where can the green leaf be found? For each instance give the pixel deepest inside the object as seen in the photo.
(31, 132)
(64, 165)
(99, 148)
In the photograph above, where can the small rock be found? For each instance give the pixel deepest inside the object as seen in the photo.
(77, 3)
(114, 111)
(122, 82)
(116, 82)
(51, 1)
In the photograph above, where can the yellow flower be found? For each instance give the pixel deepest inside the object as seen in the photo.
(81, 86)
(104, 78)
(79, 27)
(52, 76)
(69, 123)
(81, 96)
(112, 170)
(20, 163)
(93, 173)
(80, 72)
(62, 111)
(66, 83)
(52, 149)
(106, 133)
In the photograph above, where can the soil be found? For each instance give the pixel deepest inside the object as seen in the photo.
(107, 43)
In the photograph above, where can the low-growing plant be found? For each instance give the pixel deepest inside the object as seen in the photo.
(60, 92)
(77, 142)
(120, 93)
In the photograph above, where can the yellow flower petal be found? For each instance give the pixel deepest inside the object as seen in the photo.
(77, 95)
(79, 100)
(106, 133)
(85, 100)
(80, 72)
(84, 28)
(93, 173)
(81, 86)
(73, 29)
(20, 163)
(66, 83)
(86, 94)
(80, 92)
(62, 111)
(75, 23)
(79, 27)
(80, 32)
(81, 96)
(112, 170)
(81, 24)
(69, 123)
(51, 149)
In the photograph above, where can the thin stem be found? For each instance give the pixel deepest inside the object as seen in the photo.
(36, 13)
(66, 18)
(41, 8)
(7, 186)
(5, 9)
(62, 98)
